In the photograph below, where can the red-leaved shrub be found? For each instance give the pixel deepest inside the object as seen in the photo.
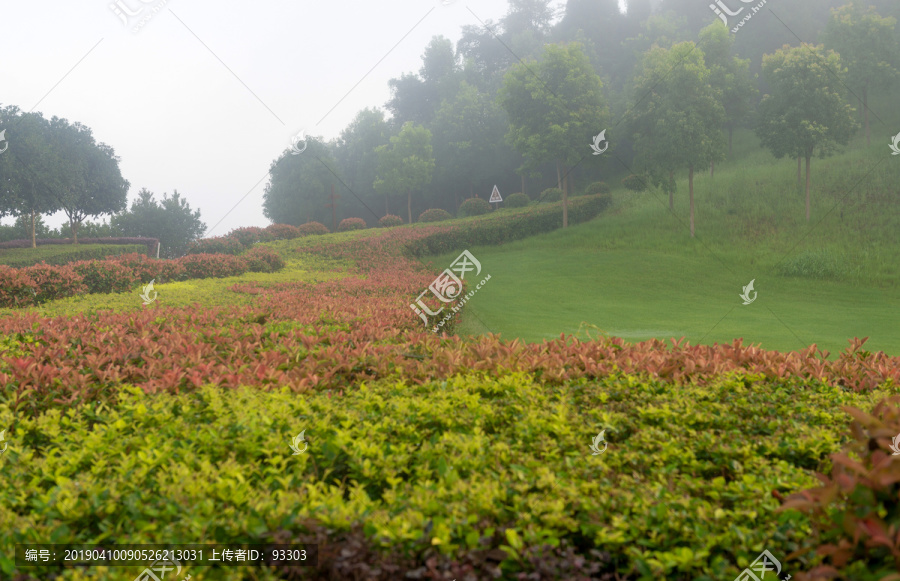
(313, 228)
(348, 224)
(390, 221)
(250, 235)
(104, 276)
(213, 265)
(262, 259)
(217, 245)
(283, 231)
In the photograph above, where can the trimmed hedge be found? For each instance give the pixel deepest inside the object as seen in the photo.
(636, 183)
(263, 259)
(435, 215)
(149, 243)
(551, 195)
(312, 229)
(283, 231)
(474, 207)
(250, 235)
(597, 188)
(214, 265)
(217, 245)
(390, 221)
(349, 224)
(518, 200)
(55, 254)
(104, 276)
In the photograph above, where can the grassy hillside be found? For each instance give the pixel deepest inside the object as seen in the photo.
(636, 273)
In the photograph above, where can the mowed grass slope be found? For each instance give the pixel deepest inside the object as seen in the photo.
(636, 273)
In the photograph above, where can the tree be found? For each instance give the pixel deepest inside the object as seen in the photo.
(804, 111)
(92, 184)
(676, 115)
(467, 130)
(406, 164)
(554, 107)
(866, 44)
(172, 222)
(729, 75)
(298, 185)
(355, 152)
(29, 174)
(417, 98)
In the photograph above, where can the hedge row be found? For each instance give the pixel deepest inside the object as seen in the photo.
(33, 285)
(149, 243)
(51, 254)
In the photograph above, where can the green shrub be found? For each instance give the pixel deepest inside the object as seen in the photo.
(64, 254)
(105, 276)
(435, 215)
(636, 183)
(263, 259)
(390, 221)
(518, 200)
(312, 229)
(217, 245)
(817, 264)
(283, 231)
(551, 195)
(348, 224)
(597, 188)
(213, 265)
(474, 207)
(250, 235)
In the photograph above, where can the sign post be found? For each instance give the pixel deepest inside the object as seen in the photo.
(495, 197)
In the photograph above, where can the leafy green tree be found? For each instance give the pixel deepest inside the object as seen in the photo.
(867, 47)
(355, 152)
(299, 185)
(729, 75)
(172, 222)
(677, 115)
(805, 111)
(468, 136)
(29, 173)
(416, 98)
(92, 184)
(554, 107)
(406, 164)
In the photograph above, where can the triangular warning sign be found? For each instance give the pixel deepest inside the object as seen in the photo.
(495, 196)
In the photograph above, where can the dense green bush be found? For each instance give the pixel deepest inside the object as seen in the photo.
(250, 235)
(283, 231)
(348, 224)
(105, 276)
(312, 229)
(435, 215)
(390, 221)
(217, 245)
(474, 207)
(263, 259)
(213, 265)
(597, 188)
(551, 195)
(518, 200)
(64, 254)
(636, 183)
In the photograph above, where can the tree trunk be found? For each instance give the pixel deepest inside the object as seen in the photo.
(409, 204)
(523, 183)
(558, 178)
(808, 156)
(74, 231)
(730, 139)
(671, 193)
(33, 237)
(712, 168)
(565, 190)
(691, 189)
(866, 113)
(799, 178)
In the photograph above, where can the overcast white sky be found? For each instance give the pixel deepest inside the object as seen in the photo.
(208, 93)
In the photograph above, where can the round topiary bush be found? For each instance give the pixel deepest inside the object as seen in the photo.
(474, 207)
(597, 188)
(551, 195)
(635, 183)
(312, 229)
(250, 235)
(348, 224)
(283, 231)
(390, 221)
(434, 215)
(519, 200)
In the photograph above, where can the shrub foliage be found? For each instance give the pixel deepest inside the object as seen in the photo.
(348, 224)
(474, 207)
(434, 215)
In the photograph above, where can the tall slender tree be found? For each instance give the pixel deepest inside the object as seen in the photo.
(406, 165)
